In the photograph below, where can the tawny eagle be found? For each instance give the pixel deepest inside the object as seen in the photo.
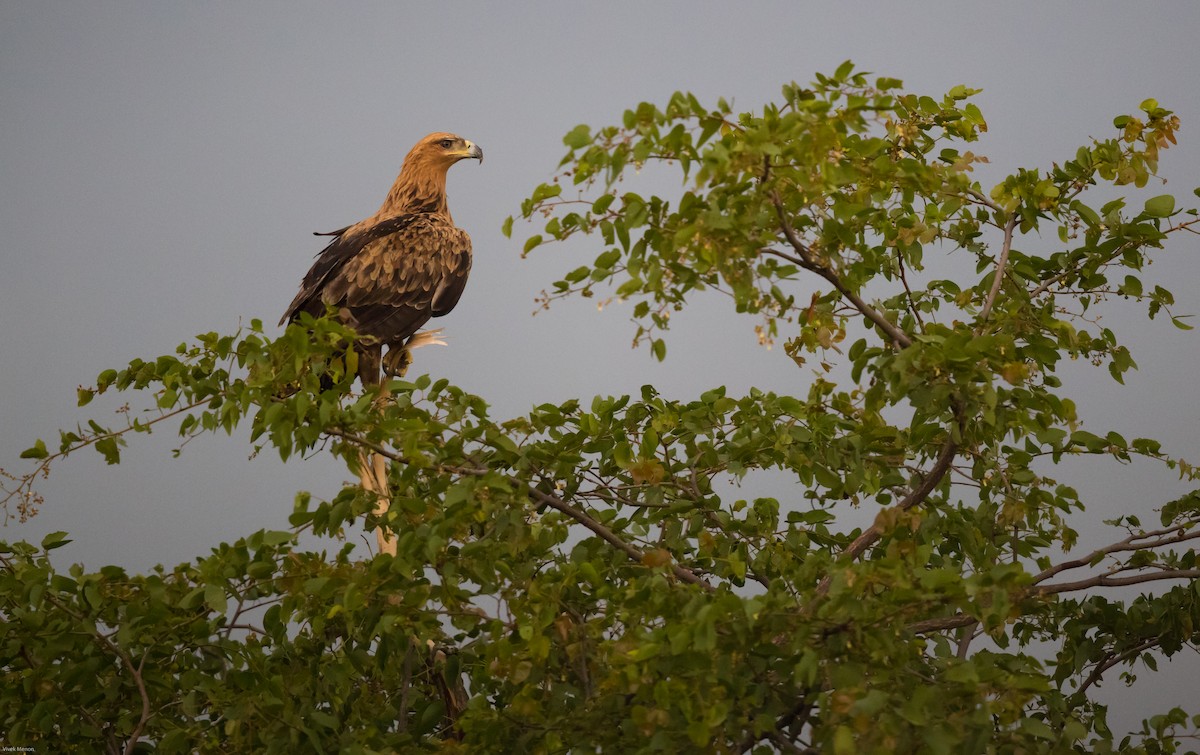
(388, 274)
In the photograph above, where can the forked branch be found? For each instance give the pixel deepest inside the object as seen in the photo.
(806, 260)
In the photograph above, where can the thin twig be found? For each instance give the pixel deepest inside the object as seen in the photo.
(983, 199)
(1120, 250)
(1121, 657)
(912, 303)
(24, 485)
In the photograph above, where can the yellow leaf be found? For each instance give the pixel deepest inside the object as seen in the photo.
(1014, 373)
(647, 471)
(656, 558)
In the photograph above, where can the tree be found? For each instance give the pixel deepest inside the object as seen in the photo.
(576, 579)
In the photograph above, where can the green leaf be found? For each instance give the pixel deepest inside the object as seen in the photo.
(1087, 214)
(107, 447)
(37, 451)
(608, 259)
(546, 191)
(601, 205)
(54, 540)
(1160, 206)
(1132, 286)
(578, 137)
(659, 348)
(214, 598)
(277, 537)
(843, 741)
(531, 242)
(1039, 729)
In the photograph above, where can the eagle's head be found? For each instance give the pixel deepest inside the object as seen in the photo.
(442, 150)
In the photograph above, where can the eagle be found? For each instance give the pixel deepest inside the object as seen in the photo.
(387, 275)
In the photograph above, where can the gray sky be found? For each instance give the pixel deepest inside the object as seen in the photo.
(162, 166)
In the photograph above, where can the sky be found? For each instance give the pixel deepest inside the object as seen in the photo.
(162, 167)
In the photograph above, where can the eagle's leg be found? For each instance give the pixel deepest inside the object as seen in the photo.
(369, 352)
(373, 468)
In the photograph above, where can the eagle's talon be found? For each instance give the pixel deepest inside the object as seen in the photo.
(396, 362)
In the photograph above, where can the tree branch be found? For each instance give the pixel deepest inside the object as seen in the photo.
(1046, 284)
(1107, 580)
(136, 734)
(1121, 657)
(806, 260)
(1001, 264)
(610, 537)
(912, 302)
(942, 624)
(966, 635)
(24, 484)
(1157, 538)
(917, 495)
(983, 199)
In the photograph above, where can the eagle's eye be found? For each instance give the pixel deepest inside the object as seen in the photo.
(447, 143)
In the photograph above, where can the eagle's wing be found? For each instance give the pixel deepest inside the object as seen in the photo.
(390, 278)
(332, 259)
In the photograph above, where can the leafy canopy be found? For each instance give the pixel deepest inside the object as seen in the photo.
(580, 578)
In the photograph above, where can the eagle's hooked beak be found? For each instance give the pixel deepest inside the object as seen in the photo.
(474, 151)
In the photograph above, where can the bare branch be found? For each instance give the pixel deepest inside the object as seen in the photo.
(912, 302)
(136, 734)
(1155, 539)
(956, 621)
(983, 199)
(916, 496)
(965, 635)
(1001, 264)
(1107, 580)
